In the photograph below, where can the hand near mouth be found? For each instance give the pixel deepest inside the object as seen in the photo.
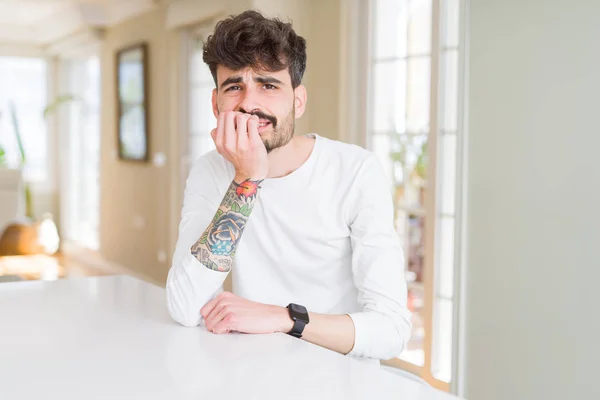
(237, 139)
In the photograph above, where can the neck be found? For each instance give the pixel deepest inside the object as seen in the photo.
(286, 159)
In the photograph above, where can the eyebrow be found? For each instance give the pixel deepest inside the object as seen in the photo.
(230, 80)
(259, 79)
(267, 79)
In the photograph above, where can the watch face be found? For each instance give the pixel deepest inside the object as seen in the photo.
(299, 312)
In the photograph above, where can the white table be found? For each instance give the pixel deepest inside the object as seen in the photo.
(112, 338)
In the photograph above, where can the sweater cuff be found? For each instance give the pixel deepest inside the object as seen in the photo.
(361, 336)
(190, 285)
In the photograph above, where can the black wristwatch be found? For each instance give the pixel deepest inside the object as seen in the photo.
(299, 315)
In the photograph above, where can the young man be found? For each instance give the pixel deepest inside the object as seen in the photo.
(304, 224)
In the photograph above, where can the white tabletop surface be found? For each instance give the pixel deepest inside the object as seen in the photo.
(112, 338)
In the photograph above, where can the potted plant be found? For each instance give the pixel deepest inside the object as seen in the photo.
(30, 237)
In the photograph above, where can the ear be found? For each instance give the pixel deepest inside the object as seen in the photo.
(300, 100)
(214, 103)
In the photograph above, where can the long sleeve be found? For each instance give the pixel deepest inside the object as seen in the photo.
(383, 327)
(190, 284)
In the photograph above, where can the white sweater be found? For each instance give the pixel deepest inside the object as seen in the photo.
(322, 237)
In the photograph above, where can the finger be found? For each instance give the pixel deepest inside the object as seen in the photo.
(253, 123)
(217, 315)
(216, 309)
(220, 131)
(253, 134)
(230, 132)
(226, 325)
(208, 307)
(242, 129)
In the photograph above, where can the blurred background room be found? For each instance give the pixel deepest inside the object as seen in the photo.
(484, 114)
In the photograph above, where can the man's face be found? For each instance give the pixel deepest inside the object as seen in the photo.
(269, 95)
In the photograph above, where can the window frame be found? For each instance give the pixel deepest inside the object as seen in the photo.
(356, 56)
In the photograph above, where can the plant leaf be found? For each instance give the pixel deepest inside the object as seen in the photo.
(235, 207)
(15, 123)
(60, 100)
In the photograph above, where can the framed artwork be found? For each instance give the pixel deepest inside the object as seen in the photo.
(132, 103)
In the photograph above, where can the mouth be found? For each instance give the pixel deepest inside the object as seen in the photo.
(264, 125)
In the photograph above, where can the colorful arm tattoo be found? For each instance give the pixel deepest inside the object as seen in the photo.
(216, 247)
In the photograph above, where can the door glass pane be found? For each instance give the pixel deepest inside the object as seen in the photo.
(390, 28)
(418, 84)
(442, 340)
(407, 154)
(389, 97)
(444, 278)
(419, 26)
(447, 171)
(381, 147)
(416, 246)
(451, 11)
(406, 157)
(414, 253)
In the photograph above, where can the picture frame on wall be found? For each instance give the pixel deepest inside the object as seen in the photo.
(132, 103)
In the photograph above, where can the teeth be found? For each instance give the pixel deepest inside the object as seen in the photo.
(263, 124)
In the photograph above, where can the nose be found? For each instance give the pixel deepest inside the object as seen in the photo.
(249, 101)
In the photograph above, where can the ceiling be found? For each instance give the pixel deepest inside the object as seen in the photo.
(42, 22)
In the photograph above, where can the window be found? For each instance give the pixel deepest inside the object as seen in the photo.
(81, 203)
(413, 128)
(23, 84)
(201, 120)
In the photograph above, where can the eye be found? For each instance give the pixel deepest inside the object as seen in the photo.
(234, 87)
(268, 86)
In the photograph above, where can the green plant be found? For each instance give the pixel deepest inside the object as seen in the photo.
(48, 110)
(422, 161)
(15, 123)
(59, 101)
(2, 157)
(400, 145)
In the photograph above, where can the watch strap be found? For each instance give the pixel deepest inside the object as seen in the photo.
(297, 329)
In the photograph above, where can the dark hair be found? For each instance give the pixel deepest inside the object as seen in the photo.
(251, 40)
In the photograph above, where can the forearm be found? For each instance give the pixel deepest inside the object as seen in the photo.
(334, 332)
(216, 247)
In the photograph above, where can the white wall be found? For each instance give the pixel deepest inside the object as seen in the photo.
(534, 200)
